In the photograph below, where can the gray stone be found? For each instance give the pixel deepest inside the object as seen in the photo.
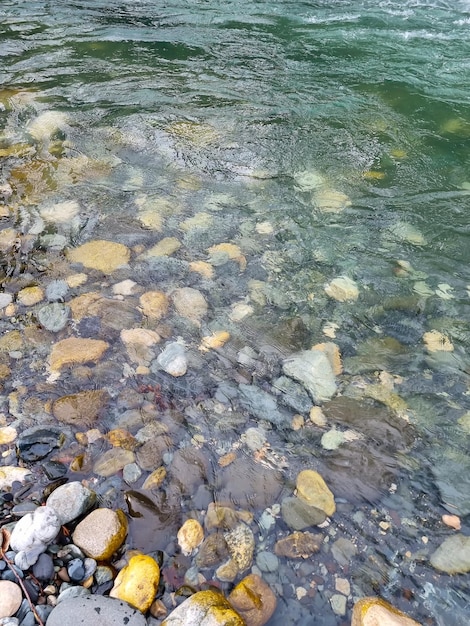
(75, 591)
(267, 561)
(292, 394)
(173, 359)
(71, 500)
(37, 442)
(343, 550)
(56, 290)
(338, 604)
(43, 569)
(451, 471)
(5, 299)
(262, 405)
(95, 611)
(54, 317)
(453, 555)
(313, 370)
(131, 472)
(299, 515)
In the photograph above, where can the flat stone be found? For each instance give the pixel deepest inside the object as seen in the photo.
(80, 409)
(204, 608)
(342, 289)
(262, 405)
(113, 461)
(372, 611)
(95, 610)
(190, 536)
(453, 555)
(154, 304)
(54, 316)
(37, 442)
(76, 350)
(71, 500)
(298, 515)
(10, 598)
(173, 360)
(298, 545)
(105, 256)
(190, 303)
(101, 533)
(313, 370)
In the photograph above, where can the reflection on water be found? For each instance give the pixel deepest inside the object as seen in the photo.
(277, 177)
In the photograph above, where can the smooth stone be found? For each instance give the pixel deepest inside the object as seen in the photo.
(254, 438)
(131, 473)
(10, 598)
(95, 610)
(292, 394)
(262, 405)
(76, 350)
(54, 316)
(71, 500)
(101, 533)
(313, 370)
(37, 442)
(30, 296)
(105, 256)
(312, 489)
(298, 515)
(189, 303)
(204, 608)
(76, 570)
(267, 561)
(154, 304)
(10, 474)
(113, 461)
(190, 536)
(57, 290)
(137, 583)
(254, 600)
(32, 534)
(374, 611)
(248, 483)
(173, 359)
(453, 555)
(343, 550)
(43, 569)
(298, 545)
(5, 299)
(76, 591)
(241, 545)
(8, 434)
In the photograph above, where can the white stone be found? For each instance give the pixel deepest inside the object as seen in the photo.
(32, 534)
(10, 598)
(342, 289)
(173, 359)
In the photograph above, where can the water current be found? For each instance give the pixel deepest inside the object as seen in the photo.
(318, 140)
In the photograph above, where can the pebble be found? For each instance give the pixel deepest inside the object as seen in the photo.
(105, 256)
(453, 555)
(43, 569)
(312, 489)
(76, 350)
(54, 317)
(338, 604)
(342, 289)
(190, 536)
(173, 359)
(113, 461)
(298, 545)
(101, 533)
(241, 545)
(154, 304)
(10, 598)
(313, 370)
(190, 303)
(137, 583)
(267, 561)
(95, 610)
(71, 500)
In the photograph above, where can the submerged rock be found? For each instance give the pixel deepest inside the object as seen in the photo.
(190, 536)
(173, 359)
(453, 555)
(76, 350)
(342, 289)
(254, 600)
(374, 611)
(313, 370)
(105, 256)
(80, 409)
(298, 545)
(312, 489)
(204, 608)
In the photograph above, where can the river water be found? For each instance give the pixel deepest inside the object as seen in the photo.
(323, 140)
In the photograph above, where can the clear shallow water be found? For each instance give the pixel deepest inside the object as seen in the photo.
(224, 110)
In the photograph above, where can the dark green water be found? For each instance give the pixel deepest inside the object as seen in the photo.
(231, 108)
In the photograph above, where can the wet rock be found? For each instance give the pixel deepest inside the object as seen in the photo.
(190, 536)
(71, 500)
(372, 611)
(338, 604)
(101, 533)
(139, 343)
(190, 303)
(113, 461)
(292, 394)
(343, 550)
(153, 521)
(254, 600)
(10, 598)
(298, 515)
(205, 608)
(95, 610)
(154, 304)
(57, 290)
(165, 247)
(241, 545)
(137, 583)
(32, 534)
(43, 569)
(342, 289)
(105, 256)
(37, 442)
(190, 468)
(330, 200)
(313, 370)
(453, 555)
(262, 405)
(80, 409)
(173, 359)
(54, 317)
(11, 341)
(254, 438)
(76, 350)
(267, 561)
(451, 472)
(212, 551)
(249, 484)
(298, 545)
(312, 489)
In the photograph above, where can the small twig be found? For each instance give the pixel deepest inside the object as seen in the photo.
(5, 539)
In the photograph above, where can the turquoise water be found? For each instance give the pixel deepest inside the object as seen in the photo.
(322, 138)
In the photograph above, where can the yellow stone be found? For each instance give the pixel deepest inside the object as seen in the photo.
(154, 304)
(376, 612)
(165, 247)
(86, 305)
(205, 608)
(387, 397)
(137, 583)
(7, 434)
(342, 289)
(76, 280)
(203, 268)
(30, 296)
(254, 600)
(373, 175)
(189, 303)
(155, 479)
(437, 342)
(7, 239)
(223, 252)
(76, 350)
(151, 219)
(102, 255)
(11, 341)
(121, 438)
(214, 341)
(200, 220)
(312, 489)
(190, 536)
(5, 371)
(101, 533)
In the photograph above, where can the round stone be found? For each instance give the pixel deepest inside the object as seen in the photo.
(10, 598)
(101, 533)
(71, 500)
